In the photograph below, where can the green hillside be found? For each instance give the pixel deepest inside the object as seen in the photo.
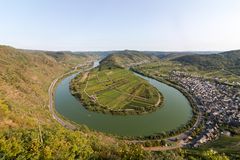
(229, 61)
(28, 130)
(24, 80)
(128, 58)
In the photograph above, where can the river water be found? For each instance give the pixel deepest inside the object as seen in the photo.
(175, 111)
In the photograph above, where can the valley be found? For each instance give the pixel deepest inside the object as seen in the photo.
(189, 119)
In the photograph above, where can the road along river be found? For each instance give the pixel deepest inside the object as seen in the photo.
(175, 111)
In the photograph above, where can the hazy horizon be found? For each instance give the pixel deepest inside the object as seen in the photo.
(91, 25)
(174, 51)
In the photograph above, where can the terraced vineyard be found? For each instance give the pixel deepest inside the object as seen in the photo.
(116, 91)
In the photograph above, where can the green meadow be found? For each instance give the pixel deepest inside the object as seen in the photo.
(115, 90)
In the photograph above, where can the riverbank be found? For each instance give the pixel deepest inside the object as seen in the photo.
(194, 122)
(51, 92)
(132, 95)
(60, 116)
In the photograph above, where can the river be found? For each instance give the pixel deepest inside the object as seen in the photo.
(175, 111)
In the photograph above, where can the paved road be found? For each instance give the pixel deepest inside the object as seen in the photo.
(64, 123)
(51, 102)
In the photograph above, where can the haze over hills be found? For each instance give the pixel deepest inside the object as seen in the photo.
(211, 59)
(223, 65)
(229, 61)
(174, 54)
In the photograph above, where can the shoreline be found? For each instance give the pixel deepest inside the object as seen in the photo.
(51, 92)
(125, 112)
(196, 114)
(137, 139)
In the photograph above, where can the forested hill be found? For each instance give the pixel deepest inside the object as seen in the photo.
(27, 129)
(229, 61)
(233, 56)
(25, 76)
(128, 58)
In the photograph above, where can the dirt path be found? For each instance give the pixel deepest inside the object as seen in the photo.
(159, 100)
(164, 148)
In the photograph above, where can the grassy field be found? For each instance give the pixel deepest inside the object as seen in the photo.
(163, 68)
(116, 89)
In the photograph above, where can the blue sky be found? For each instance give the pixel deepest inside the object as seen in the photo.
(175, 25)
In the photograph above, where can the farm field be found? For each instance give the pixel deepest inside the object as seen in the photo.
(115, 90)
(163, 68)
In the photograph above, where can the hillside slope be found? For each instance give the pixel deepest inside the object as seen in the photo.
(27, 130)
(128, 58)
(24, 80)
(229, 61)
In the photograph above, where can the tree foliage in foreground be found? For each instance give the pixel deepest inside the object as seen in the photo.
(32, 144)
(60, 143)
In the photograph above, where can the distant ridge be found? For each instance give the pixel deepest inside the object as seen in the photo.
(229, 61)
(128, 58)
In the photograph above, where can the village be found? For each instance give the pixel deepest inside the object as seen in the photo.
(218, 102)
